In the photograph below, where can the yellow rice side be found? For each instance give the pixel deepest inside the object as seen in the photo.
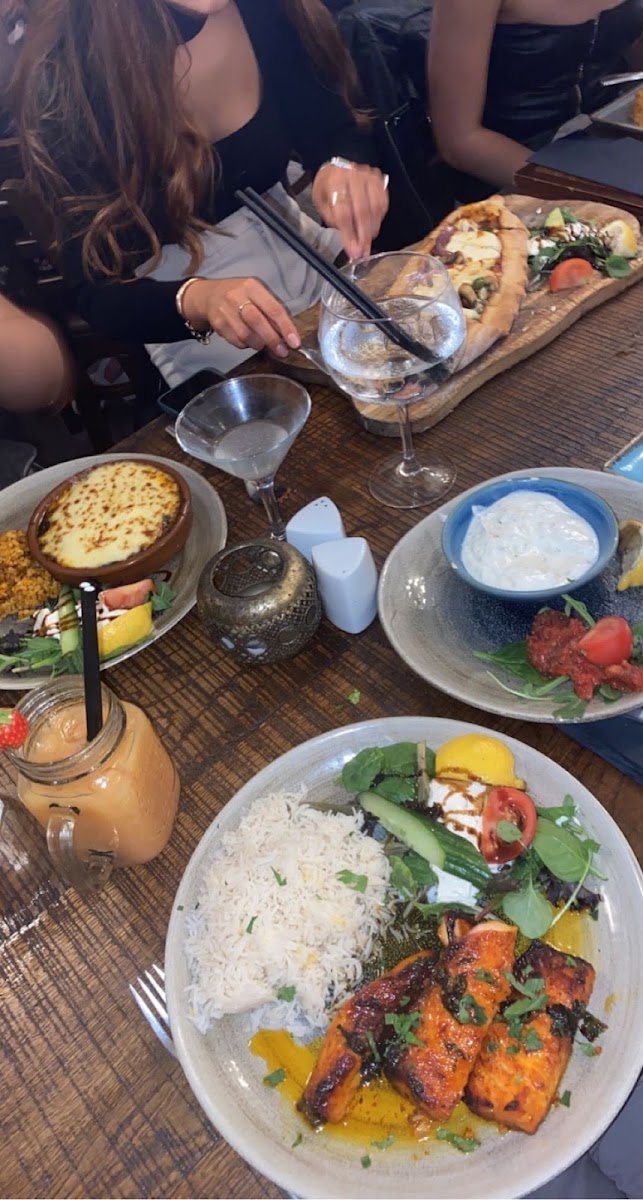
(24, 586)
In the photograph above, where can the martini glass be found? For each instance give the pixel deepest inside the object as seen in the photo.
(416, 292)
(246, 427)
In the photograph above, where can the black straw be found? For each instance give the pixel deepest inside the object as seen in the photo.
(341, 283)
(91, 661)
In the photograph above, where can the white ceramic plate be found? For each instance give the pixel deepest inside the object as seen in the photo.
(207, 536)
(261, 1125)
(435, 621)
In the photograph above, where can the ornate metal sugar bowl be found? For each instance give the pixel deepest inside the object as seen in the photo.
(259, 601)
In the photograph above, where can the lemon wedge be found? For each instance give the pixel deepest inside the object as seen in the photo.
(124, 631)
(630, 546)
(476, 756)
(621, 237)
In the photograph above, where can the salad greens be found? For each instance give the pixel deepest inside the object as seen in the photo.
(589, 245)
(532, 891)
(61, 655)
(513, 661)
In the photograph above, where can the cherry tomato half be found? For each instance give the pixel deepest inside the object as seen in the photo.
(570, 273)
(610, 641)
(507, 804)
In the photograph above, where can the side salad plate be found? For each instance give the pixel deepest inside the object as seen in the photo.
(26, 638)
(472, 646)
(278, 974)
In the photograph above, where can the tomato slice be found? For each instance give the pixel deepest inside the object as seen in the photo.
(507, 804)
(570, 273)
(128, 595)
(610, 641)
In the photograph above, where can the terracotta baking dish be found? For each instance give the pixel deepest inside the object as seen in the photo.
(127, 570)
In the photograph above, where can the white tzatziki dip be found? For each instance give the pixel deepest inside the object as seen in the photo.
(528, 541)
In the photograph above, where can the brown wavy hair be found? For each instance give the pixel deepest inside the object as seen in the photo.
(103, 135)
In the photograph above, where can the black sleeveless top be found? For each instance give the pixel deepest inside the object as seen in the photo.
(543, 75)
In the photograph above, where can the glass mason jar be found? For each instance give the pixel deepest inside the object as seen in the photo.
(110, 802)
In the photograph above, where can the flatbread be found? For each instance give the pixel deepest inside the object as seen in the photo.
(511, 270)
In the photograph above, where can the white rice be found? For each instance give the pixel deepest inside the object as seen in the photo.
(312, 932)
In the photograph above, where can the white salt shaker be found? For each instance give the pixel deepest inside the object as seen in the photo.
(347, 582)
(320, 521)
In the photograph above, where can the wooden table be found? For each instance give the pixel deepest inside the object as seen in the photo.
(90, 1103)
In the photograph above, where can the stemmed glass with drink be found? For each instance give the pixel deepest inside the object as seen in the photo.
(414, 291)
(246, 427)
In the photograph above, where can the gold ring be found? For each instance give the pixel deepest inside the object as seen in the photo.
(242, 306)
(335, 197)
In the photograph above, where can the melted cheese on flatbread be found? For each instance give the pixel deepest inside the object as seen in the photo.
(480, 249)
(114, 511)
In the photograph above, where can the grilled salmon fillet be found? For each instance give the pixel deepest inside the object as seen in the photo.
(515, 1079)
(455, 1009)
(347, 1056)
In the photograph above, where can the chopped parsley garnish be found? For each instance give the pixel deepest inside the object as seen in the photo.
(358, 883)
(297, 1142)
(588, 1049)
(286, 993)
(492, 1047)
(534, 996)
(403, 1026)
(470, 1012)
(532, 1041)
(251, 924)
(373, 1046)
(464, 1144)
(566, 1099)
(365, 1160)
(385, 1142)
(180, 907)
(280, 879)
(485, 976)
(514, 1048)
(275, 1077)
(354, 697)
(569, 961)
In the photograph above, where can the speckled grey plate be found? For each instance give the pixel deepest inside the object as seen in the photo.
(435, 621)
(262, 1125)
(207, 535)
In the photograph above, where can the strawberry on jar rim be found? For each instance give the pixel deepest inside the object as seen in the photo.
(13, 729)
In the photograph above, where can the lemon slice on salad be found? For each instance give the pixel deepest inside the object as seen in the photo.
(621, 237)
(476, 756)
(125, 631)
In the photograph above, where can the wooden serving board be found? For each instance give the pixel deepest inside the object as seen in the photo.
(542, 317)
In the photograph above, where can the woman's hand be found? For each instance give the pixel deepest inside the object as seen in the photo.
(244, 312)
(354, 201)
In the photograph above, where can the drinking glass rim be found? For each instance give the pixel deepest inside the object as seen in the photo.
(360, 318)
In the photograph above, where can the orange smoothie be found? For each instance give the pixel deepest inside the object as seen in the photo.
(124, 791)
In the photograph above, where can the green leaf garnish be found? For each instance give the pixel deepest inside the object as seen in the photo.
(581, 610)
(566, 1099)
(470, 1012)
(532, 1041)
(617, 267)
(275, 1077)
(508, 832)
(358, 883)
(384, 1143)
(286, 993)
(162, 596)
(297, 1142)
(464, 1144)
(528, 909)
(354, 697)
(358, 774)
(485, 976)
(401, 759)
(251, 924)
(403, 1025)
(280, 878)
(589, 1049)
(365, 1160)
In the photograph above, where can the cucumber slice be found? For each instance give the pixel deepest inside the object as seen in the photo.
(431, 840)
(405, 826)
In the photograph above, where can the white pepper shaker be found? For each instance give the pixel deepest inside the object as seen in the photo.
(320, 521)
(347, 582)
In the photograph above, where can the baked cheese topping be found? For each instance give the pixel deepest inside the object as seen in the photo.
(480, 250)
(114, 511)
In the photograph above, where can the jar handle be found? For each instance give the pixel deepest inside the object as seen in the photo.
(87, 874)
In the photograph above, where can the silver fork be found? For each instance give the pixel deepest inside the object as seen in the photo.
(149, 994)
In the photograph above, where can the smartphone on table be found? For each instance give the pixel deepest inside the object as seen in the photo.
(174, 401)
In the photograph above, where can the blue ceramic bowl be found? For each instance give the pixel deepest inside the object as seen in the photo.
(586, 504)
